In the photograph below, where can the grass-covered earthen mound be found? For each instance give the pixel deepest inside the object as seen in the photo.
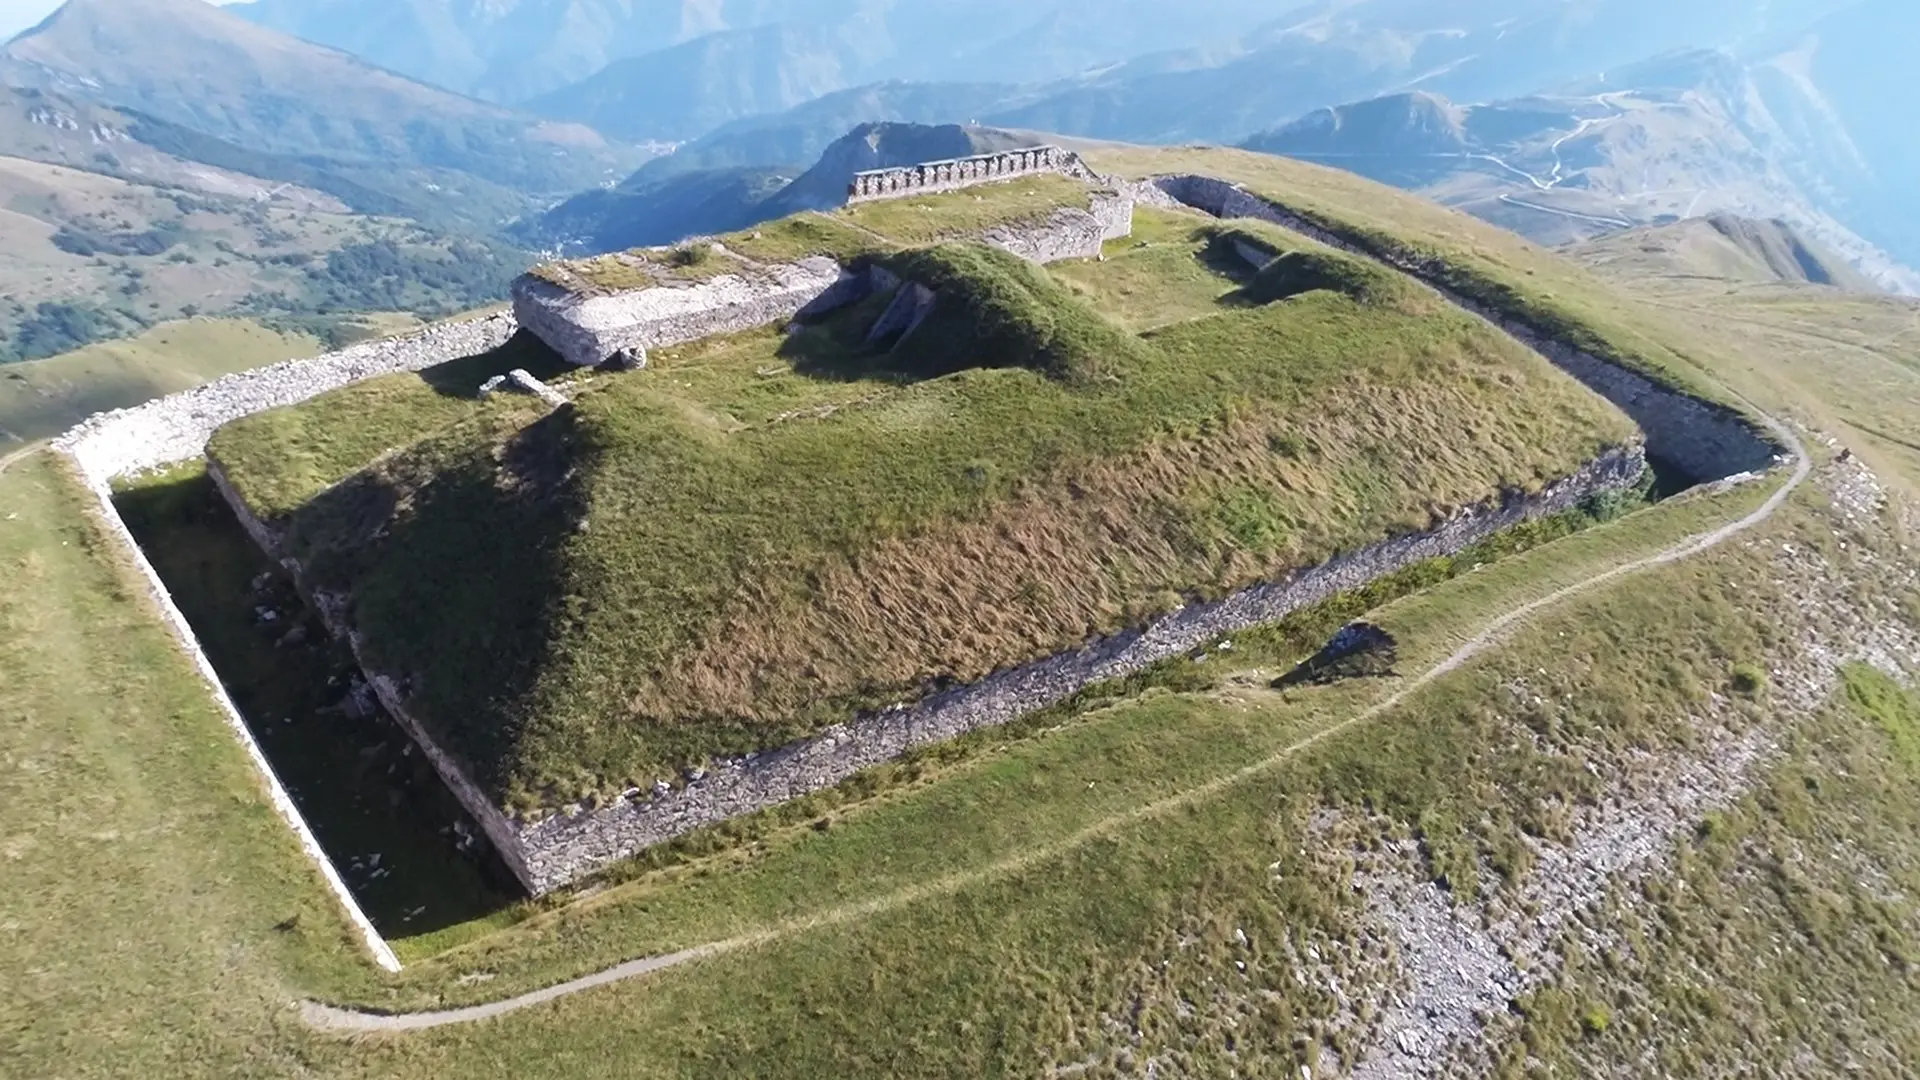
(998, 310)
(1310, 270)
(761, 533)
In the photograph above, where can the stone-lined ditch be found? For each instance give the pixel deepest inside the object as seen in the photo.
(412, 859)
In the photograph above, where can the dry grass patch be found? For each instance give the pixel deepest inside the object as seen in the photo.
(725, 504)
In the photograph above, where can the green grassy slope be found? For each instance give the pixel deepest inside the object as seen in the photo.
(846, 234)
(1723, 247)
(1016, 905)
(1138, 914)
(757, 535)
(1843, 362)
(148, 871)
(90, 257)
(1477, 259)
(42, 398)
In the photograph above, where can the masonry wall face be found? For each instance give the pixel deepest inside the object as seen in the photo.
(334, 612)
(934, 177)
(587, 330)
(566, 846)
(176, 428)
(1702, 439)
(1067, 234)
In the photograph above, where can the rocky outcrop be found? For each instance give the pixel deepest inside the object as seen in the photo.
(523, 380)
(1703, 440)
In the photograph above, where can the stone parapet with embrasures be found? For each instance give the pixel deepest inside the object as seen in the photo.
(933, 177)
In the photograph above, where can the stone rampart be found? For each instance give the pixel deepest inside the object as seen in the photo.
(565, 846)
(589, 329)
(176, 428)
(547, 853)
(173, 429)
(1704, 440)
(933, 177)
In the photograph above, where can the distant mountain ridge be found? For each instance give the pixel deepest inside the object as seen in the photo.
(1685, 135)
(652, 211)
(795, 139)
(197, 68)
(518, 50)
(1336, 51)
(690, 89)
(1723, 247)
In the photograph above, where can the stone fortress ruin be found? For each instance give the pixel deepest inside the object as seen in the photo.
(934, 177)
(591, 326)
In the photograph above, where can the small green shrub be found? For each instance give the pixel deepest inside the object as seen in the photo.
(1872, 694)
(1748, 680)
(692, 255)
(1595, 1019)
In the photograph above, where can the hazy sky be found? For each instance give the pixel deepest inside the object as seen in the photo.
(17, 15)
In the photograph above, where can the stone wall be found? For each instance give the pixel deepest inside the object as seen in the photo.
(176, 428)
(1114, 212)
(1067, 234)
(1704, 440)
(561, 848)
(589, 329)
(934, 177)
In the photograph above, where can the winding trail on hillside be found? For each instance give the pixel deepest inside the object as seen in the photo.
(350, 1021)
(19, 456)
(1514, 200)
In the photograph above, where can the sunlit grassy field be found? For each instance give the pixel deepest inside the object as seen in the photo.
(1131, 881)
(42, 398)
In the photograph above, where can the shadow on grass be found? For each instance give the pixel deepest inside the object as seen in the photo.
(834, 348)
(379, 811)
(462, 590)
(1220, 257)
(462, 378)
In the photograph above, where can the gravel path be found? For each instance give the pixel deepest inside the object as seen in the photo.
(20, 455)
(330, 1018)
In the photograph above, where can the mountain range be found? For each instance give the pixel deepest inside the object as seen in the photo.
(650, 210)
(1684, 135)
(518, 50)
(1545, 116)
(201, 69)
